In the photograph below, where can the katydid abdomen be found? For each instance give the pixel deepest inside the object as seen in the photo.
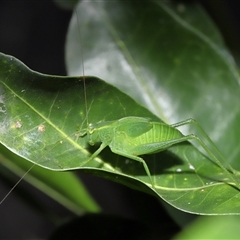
(158, 138)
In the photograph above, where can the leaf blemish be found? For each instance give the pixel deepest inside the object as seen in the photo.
(41, 128)
(18, 124)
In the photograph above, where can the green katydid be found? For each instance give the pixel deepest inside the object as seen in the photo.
(134, 136)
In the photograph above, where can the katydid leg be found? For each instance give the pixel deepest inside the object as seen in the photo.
(95, 154)
(211, 154)
(212, 144)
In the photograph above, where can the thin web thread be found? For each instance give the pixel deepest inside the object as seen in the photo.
(15, 185)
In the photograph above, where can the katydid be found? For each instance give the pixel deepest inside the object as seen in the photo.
(134, 136)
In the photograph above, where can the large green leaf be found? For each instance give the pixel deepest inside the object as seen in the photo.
(43, 129)
(26, 106)
(170, 58)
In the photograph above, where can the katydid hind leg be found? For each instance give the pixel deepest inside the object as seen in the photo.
(204, 146)
(205, 135)
(216, 160)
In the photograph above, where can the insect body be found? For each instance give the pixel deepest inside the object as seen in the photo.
(134, 136)
(131, 137)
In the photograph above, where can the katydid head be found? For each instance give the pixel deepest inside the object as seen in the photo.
(99, 132)
(92, 133)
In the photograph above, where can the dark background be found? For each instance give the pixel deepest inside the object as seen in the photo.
(34, 32)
